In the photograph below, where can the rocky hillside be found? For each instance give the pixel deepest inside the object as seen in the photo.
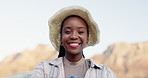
(127, 60)
(26, 60)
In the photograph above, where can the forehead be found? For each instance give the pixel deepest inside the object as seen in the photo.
(74, 22)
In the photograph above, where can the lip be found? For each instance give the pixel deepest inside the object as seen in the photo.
(74, 44)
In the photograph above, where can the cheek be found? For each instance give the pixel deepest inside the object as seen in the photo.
(64, 38)
(85, 38)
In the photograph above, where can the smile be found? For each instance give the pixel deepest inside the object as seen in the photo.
(74, 45)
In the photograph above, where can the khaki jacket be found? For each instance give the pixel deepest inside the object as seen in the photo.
(55, 69)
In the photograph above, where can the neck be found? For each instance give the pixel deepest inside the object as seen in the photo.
(74, 58)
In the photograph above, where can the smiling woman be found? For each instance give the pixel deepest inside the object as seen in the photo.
(71, 30)
(74, 37)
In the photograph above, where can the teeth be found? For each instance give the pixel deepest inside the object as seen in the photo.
(74, 44)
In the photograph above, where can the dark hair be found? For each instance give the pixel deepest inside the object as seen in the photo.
(62, 49)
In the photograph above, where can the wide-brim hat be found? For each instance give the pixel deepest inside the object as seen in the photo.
(56, 20)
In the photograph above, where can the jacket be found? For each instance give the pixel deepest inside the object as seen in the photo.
(55, 69)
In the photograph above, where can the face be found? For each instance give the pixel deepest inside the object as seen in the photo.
(74, 35)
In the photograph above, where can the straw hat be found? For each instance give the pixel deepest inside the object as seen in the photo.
(56, 21)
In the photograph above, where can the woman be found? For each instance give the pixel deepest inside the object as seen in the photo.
(71, 30)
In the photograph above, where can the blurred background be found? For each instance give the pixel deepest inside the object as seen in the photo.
(24, 35)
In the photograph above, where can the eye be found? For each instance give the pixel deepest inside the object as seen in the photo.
(67, 32)
(81, 32)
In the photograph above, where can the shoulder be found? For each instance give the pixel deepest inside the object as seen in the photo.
(43, 68)
(54, 62)
(105, 70)
(100, 66)
(103, 67)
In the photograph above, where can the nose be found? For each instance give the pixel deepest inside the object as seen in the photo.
(74, 36)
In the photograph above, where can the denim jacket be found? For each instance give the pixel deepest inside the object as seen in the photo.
(55, 69)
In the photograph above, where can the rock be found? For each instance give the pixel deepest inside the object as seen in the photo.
(126, 60)
(26, 60)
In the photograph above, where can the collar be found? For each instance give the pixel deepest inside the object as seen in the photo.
(59, 62)
(91, 64)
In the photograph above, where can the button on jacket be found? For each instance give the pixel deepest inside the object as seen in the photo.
(55, 69)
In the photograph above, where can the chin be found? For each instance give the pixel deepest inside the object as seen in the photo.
(74, 52)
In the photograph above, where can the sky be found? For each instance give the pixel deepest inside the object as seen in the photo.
(24, 23)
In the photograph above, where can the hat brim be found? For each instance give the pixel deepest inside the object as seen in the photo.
(55, 23)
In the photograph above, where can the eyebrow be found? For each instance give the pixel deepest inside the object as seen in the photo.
(78, 27)
(67, 27)
(82, 27)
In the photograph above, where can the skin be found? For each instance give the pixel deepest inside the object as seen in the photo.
(74, 38)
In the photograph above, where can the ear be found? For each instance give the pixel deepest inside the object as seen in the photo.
(61, 41)
(87, 39)
(87, 42)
